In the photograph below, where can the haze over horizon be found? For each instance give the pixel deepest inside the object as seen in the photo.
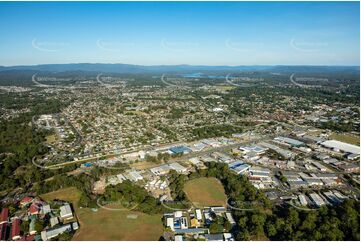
(176, 33)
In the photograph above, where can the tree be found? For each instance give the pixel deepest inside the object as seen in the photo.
(39, 225)
(24, 226)
(216, 228)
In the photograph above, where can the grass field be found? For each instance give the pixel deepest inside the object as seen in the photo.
(109, 224)
(143, 165)
(205, 192)
(70, 194)
(50, 138)
(351, 139)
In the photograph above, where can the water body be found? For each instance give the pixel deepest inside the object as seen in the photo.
(201, 75)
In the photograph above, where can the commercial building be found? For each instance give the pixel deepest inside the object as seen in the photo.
(180, 150)
(317, 200)
(303, 200)
(177, 167)
(165, 169)
(285, 153)
(239, 167)
(319, 166)
(256, 149)
(160, 170)
(341, 146)
(313, 182)
(52, 233)
(350, 167)
(134, 176)
(297, 184)
(289, 141)
(332, 197)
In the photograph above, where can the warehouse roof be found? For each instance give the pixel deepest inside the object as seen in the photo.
(334, 144)
(290, 141)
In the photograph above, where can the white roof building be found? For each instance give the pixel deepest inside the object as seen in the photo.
(45, 209)
(228, 237)
(178, 214)
(178, 238)
(49, 234)
(177, 167)
(318, 201)
(198, 214)
(302, 199)
(230, 218)
(170, 223)
(134, 176)
(345, 147)
(121, 178)
(66, 212)
(160, 170)
(54, 221)
(194, 160)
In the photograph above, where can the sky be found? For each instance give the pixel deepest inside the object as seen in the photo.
(169, 33)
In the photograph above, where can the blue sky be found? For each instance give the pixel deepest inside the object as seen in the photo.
(201, 33)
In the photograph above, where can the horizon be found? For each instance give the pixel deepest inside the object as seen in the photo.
(97, 63)
(174, 33)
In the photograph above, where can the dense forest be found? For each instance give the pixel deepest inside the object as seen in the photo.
(20, 141)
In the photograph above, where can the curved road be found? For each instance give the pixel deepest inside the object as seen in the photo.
(230, 82)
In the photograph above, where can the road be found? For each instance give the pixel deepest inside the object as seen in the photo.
(167, 83)
(230, 82)
(33, 78)
(302, 85)
(183, 157)
(38, 84)
(215, 149)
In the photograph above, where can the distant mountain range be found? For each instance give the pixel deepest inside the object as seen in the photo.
(128, 68)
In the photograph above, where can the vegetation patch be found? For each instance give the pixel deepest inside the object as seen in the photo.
(70, 194)
(51, 138)
(351, 139)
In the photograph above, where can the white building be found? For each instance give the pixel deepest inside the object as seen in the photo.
(341, 146)
(317, 200)
(177, 167)
(66, 212)
(170, 223)
(198, 214)
(54, 221)
(303, 200)
(134, 176)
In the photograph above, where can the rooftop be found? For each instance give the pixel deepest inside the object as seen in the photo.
(334, 144)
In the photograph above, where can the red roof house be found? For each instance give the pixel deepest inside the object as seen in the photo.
(34, 209)
(28, 238)
(15, 229)
(4, 215)
(25, 201)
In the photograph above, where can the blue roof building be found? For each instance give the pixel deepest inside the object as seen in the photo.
(180, 150)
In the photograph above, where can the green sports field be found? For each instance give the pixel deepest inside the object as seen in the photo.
(347, 138)
(106, 224)
(205, 192)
